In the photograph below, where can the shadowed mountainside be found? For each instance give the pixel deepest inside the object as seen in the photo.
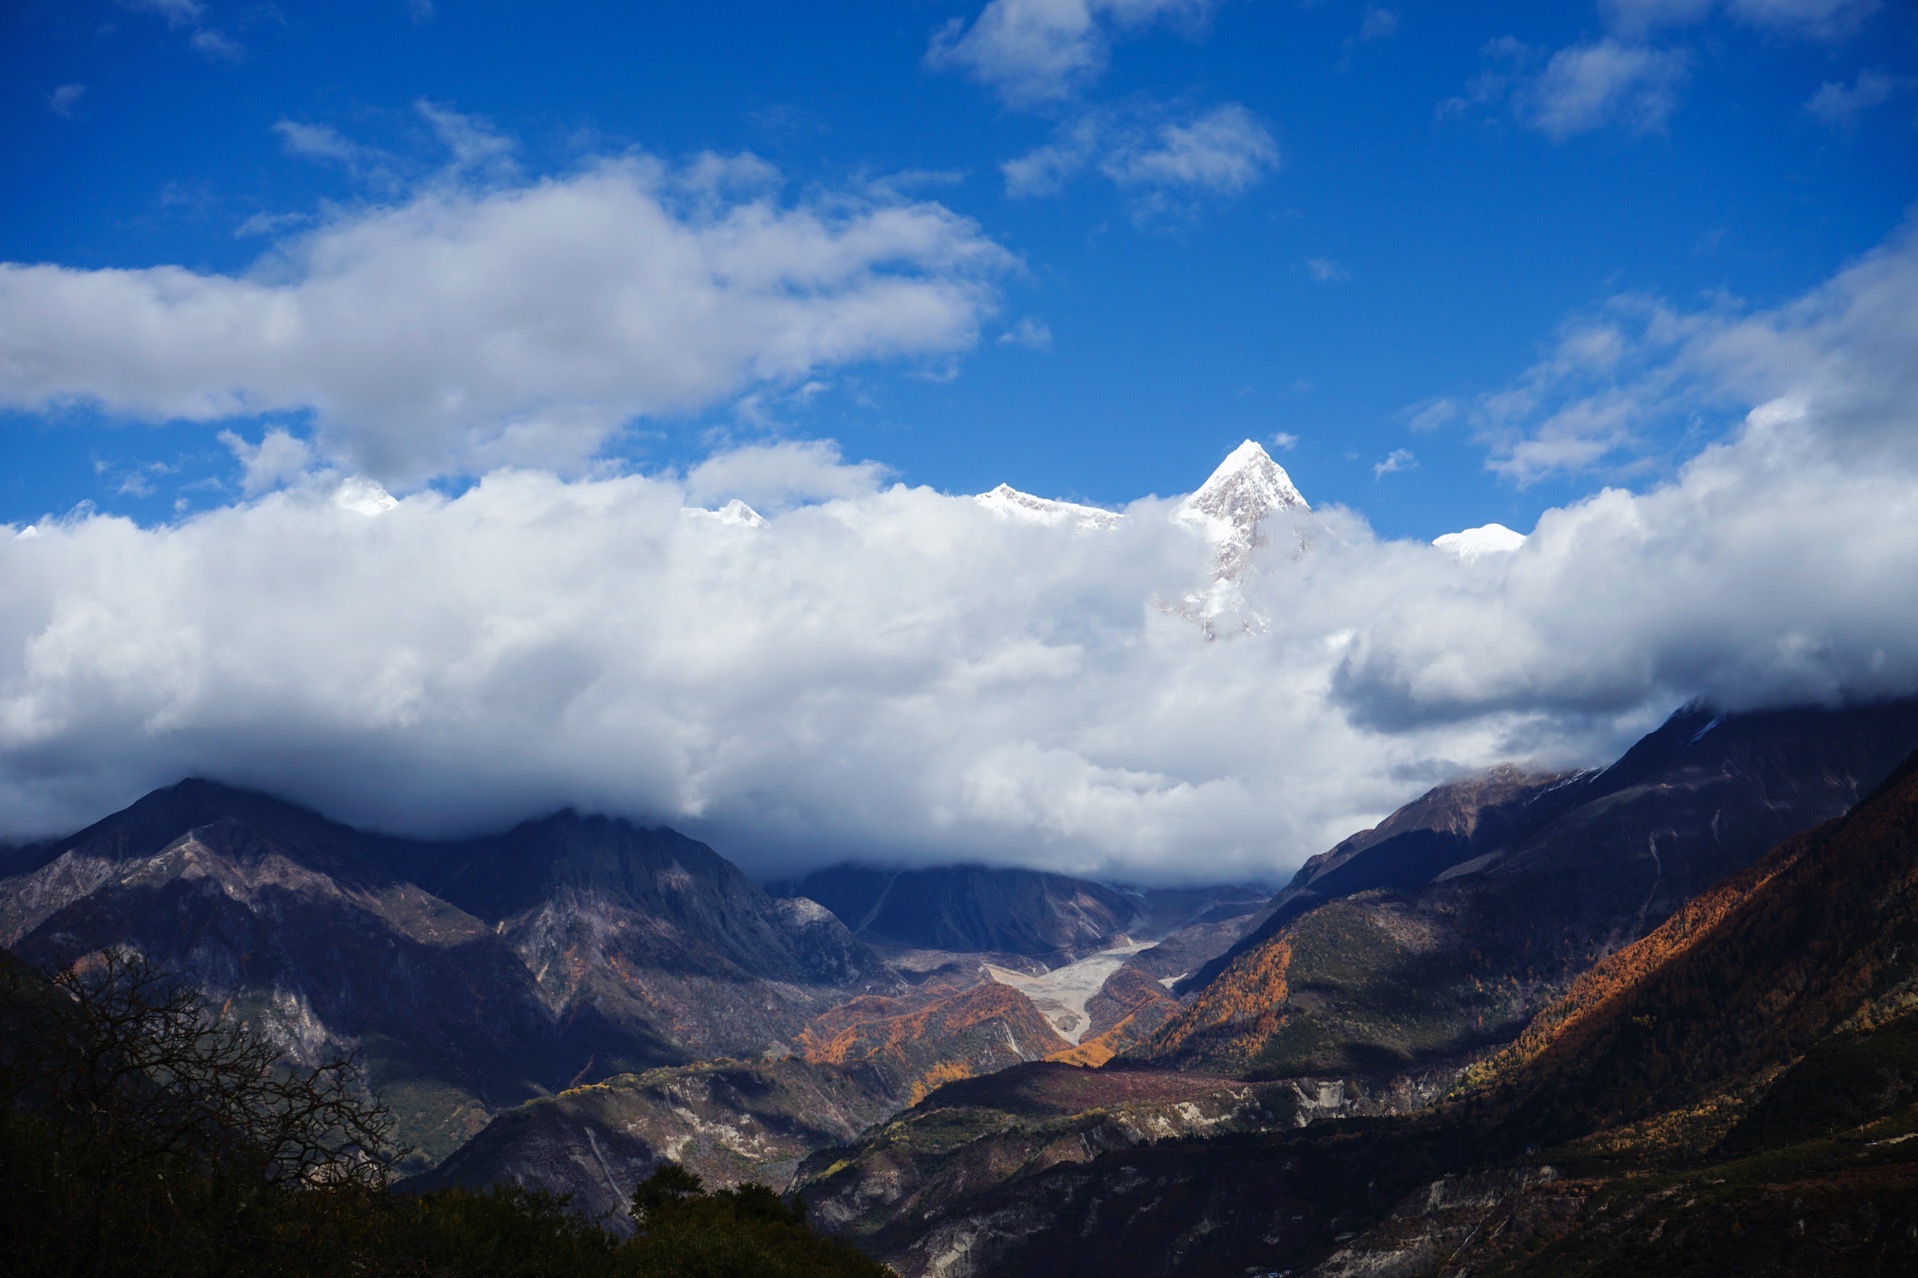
(1447, 941)
(971, 908)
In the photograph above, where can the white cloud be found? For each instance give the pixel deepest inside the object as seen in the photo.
(278, 459)
(1393, 462)
(321, 142)
(1035, 51)
(1217, 153)
(1030, 333)
(216, 46)
(1433, 415)
(1840, 105)
(511, 323)
(1588, 87)
(1618, 379)
(1325, 270)
(778, 476)
(475, 144)
(1046, 169)
(1285, 439)
(64, 99)
(1221, 152)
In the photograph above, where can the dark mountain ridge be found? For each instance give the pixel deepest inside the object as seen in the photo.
(590, 946)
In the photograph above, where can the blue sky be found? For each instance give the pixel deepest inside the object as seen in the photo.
(1415, 218)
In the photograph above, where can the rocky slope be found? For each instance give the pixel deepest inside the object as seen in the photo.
(1736, 1092)
(1425, 941)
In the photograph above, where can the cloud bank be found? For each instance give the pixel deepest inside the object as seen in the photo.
(891, 672)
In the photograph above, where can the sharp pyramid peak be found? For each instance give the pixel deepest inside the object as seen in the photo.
(1247, 484)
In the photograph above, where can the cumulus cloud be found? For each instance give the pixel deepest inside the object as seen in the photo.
(278, 459)
(1036, 51)
(1155, 155)
(1393, 462)
(484, 322)
(890, 672)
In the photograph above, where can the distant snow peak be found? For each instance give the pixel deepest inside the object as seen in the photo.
(363, 497)
(1477, 543)
(1013, 504)
(1247, 487)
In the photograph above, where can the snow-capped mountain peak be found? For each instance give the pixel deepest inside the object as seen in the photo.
(1247, 486)
(1010, 502)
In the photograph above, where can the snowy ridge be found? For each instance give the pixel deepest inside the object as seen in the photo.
(1009, 501)
(1477, 543)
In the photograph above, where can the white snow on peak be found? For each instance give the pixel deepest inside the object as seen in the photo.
(30, 531)
(1010, 502)
(1247, 486)
(1477, 543)
(363, 497)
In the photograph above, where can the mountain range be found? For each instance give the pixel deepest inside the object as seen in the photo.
(1492, 1031)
